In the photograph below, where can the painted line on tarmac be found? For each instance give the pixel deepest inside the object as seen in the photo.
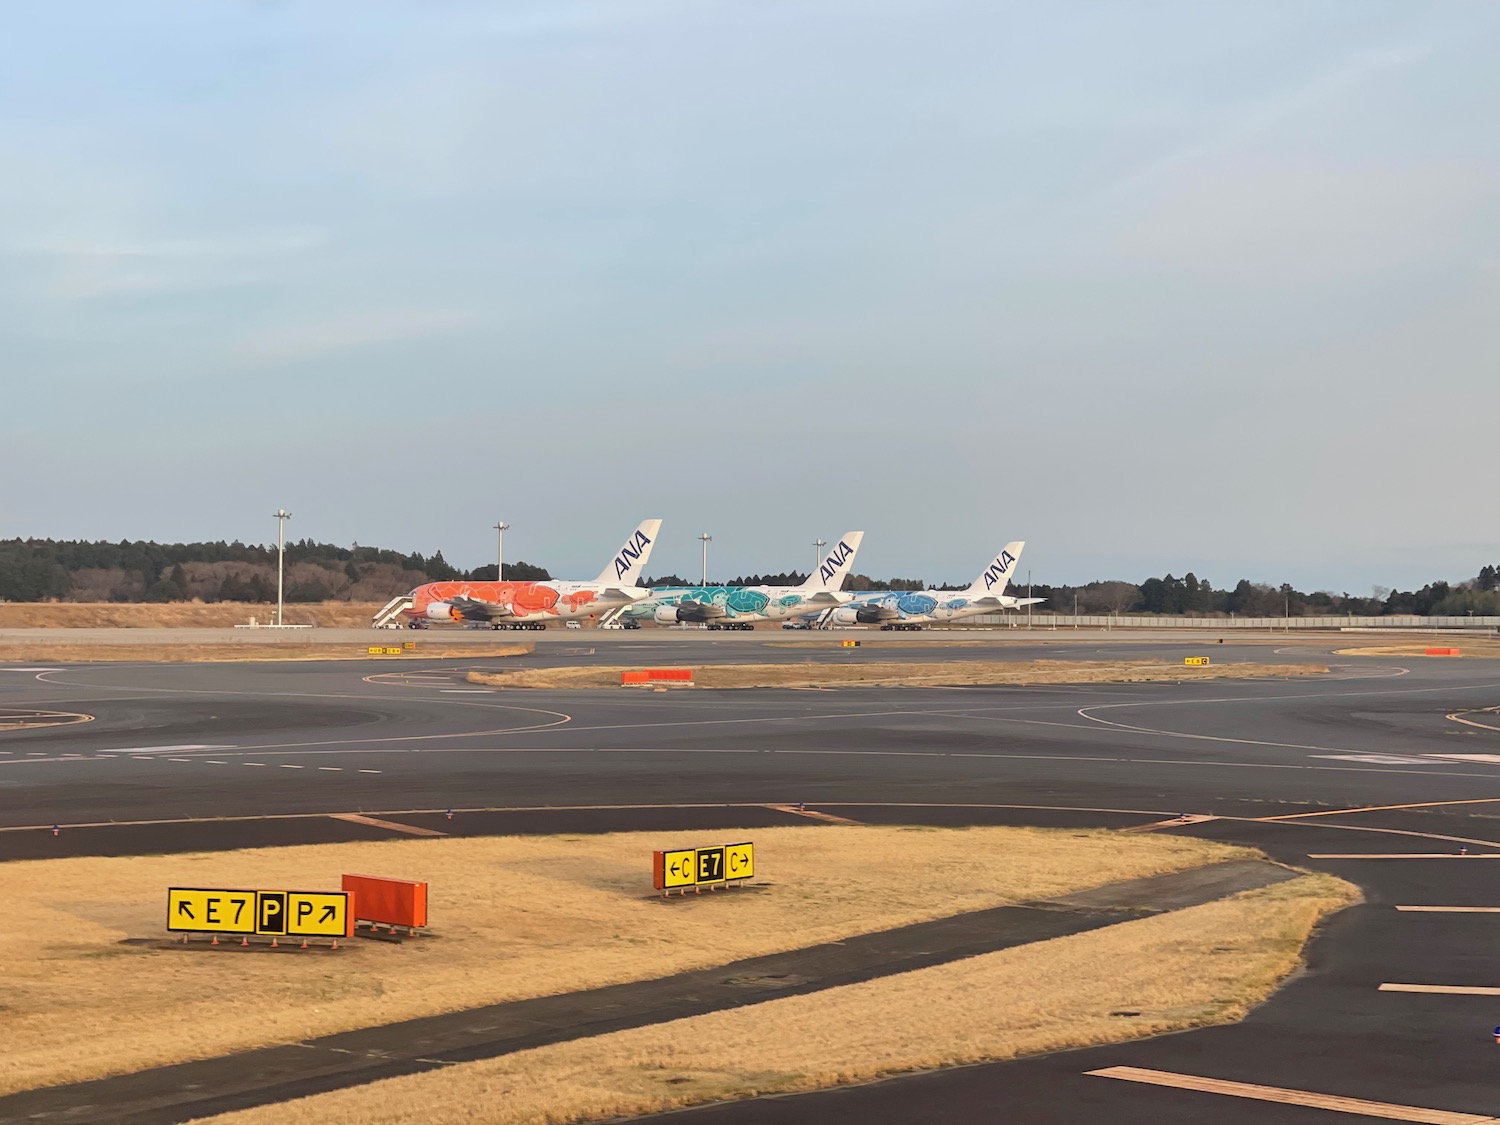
(1386, 808)
(1443, 989)
(1357, 1106)
(1403, 855)
(1451, 909)
(811, 814)
(389, 825)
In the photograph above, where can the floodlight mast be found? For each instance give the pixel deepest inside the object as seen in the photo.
(282, 515)
(705, 539)
(818, 545)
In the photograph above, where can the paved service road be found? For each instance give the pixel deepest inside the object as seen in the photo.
(299, 744)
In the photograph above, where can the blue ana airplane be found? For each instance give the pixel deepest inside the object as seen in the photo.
(896, 609)
(739, 607)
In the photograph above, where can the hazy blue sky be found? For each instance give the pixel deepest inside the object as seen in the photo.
(1154, 286)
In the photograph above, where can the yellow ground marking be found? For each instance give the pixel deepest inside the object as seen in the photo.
(1457, 717)
(1357, 1106)
(1443, 989)
(28, 718)
(1452, 909)
(1175, 822)
(811, 814)
(375, 822)
(1385, 808)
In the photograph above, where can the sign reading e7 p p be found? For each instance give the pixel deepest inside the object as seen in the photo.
(702, 867)
(194, 910)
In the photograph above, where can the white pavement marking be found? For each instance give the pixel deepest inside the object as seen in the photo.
(467, 691)
(1491, 758)
(288, 766)
(1443, 989)
(332, 769)
(1403, 855)
(166, 749)
(252, 763)
(369, 771)
(1175, 822)
(169, 759)
(1452, 909)
(1385, 759)
(1356, 1106)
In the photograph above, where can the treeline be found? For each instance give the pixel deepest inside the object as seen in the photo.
(1191, 595)
(33, 570)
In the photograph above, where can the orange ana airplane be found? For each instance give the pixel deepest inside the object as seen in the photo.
(530, 605)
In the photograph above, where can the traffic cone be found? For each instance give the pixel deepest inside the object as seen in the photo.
(274, 944)
(56, 830)
(216, 939)
(304, 943)
(244, 941)
(335, 943)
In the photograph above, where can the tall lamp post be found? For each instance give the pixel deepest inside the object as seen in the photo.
(500, 530)
(282, 515)
(705, 539)
(818, 545)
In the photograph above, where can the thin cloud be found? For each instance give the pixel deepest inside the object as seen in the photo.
(357, 330)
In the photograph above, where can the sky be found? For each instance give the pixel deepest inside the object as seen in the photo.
(1155, 287)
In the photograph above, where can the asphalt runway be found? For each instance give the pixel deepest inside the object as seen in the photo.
(1371, 759)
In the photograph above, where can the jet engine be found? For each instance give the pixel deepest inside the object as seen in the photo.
(442, 611)
(695, 612)
(869, 614)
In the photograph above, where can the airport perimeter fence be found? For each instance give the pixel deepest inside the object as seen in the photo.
(1021, 620)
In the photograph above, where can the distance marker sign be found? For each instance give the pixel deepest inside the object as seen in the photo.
(1195, 661)
(702, 867)
(193, 910)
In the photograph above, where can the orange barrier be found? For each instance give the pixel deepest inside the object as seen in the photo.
(395, 902)
(652, 675)
(1443, 652)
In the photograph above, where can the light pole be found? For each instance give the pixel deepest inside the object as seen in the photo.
(818, 545)
(282, 515)
(1028, 597)
(705, 539)
(500, 530)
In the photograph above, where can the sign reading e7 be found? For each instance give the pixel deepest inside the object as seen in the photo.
(192, 910)
(271, 913)
(700, 867)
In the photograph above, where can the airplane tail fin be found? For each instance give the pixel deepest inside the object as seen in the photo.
(625, 568)
(835, 565)
(995, 577)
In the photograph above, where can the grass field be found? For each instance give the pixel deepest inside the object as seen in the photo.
(179, 615)
(1208, 964)
(515, 917)
(75, 653)
(893, 674)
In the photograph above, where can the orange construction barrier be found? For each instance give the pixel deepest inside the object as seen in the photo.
(396, 902)
(1442, 652)
(653, 675)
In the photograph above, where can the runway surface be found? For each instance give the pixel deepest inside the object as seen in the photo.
(1376, 750)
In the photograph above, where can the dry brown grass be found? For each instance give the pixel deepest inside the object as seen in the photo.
(517, 917)
(1208, 964)
(893, 674)
(1466, 645)
(244, 651)
(178, 615)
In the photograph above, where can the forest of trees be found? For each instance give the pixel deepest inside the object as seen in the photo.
(33, 570)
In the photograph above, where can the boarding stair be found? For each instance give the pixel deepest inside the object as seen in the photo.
(390, 613)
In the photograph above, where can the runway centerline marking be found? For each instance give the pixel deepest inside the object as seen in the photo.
(1357, 1106)
(1443, 989)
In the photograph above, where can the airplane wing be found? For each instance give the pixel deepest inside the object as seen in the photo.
(823, 597)
(472, 609)
(628, 594)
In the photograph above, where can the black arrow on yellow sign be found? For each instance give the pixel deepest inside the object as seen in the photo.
(184, 909)
(327, 914)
